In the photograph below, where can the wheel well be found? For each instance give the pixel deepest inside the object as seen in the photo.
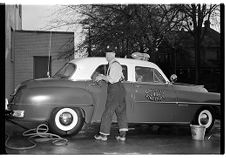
(83, 112)
(206, 107)
(214, 110)
(211, 108)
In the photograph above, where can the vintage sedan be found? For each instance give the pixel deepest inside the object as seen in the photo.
(71, 98)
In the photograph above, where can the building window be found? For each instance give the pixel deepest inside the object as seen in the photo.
(42, 64)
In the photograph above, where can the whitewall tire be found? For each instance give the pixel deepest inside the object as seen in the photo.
(205, 117)
(66, 121)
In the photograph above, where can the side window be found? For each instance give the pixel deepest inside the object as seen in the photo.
(158, 77)
(102, 69)
(145, 74)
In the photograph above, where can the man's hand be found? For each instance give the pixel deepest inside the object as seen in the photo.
(100, 77)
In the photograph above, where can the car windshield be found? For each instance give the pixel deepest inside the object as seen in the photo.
(66, 71)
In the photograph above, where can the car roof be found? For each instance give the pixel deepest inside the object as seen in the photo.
(92, 62)
(98, 60)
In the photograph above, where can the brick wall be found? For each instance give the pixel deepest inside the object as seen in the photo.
(28, 44)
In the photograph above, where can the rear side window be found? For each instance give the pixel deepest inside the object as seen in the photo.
(66, 71)
(102, 69)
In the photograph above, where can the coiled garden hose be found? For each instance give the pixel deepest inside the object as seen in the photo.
(42, 132)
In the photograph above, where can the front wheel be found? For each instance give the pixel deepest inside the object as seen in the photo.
(66, 121)
(205, 117)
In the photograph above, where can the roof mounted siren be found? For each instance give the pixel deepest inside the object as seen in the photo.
(140, 56)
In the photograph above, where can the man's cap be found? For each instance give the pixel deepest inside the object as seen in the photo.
(110, 49)
(110, 52)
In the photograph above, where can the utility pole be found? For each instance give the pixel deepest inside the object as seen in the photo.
(89, 47)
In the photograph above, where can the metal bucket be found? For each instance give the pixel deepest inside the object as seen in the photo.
(198, 132)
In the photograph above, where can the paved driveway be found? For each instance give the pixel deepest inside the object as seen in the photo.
(140, 140)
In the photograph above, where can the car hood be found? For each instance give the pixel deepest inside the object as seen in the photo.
(187, 84)
(191, 87)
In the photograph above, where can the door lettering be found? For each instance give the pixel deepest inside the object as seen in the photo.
(155, 95)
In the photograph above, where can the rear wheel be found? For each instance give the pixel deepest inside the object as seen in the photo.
(66, 121)
(205, 117)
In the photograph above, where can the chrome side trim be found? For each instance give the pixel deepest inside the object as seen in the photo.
(202, 103)
(187, 103)
(165, 122)
(72, 105)
(151, 122)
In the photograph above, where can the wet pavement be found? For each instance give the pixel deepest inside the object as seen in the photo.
(141, 139)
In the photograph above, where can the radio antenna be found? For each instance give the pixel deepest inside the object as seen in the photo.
(50, 41)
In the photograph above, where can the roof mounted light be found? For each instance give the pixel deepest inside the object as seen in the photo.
(140, 56)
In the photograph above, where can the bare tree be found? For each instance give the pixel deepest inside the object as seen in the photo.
(195, 15)
(129, 27)
(132, 27)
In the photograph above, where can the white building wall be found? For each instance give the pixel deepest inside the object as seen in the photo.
(13, 21)
(36, 43)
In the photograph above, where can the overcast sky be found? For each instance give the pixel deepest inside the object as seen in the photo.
(35, 17)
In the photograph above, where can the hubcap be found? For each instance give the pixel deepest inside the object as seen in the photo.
(204, 119)
(66, 118)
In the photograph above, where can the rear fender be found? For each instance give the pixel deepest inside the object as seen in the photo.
(54, 95)
(39, 102)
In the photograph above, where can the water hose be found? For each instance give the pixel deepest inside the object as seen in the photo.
(42, 133)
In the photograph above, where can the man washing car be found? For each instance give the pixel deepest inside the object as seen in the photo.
(115, 102)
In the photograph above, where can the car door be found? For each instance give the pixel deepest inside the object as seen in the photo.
(154, 99)
(99, 91)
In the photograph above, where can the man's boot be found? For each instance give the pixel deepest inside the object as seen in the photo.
(101, 137)
(122, 136)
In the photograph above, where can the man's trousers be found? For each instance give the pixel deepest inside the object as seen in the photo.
(115, 103)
